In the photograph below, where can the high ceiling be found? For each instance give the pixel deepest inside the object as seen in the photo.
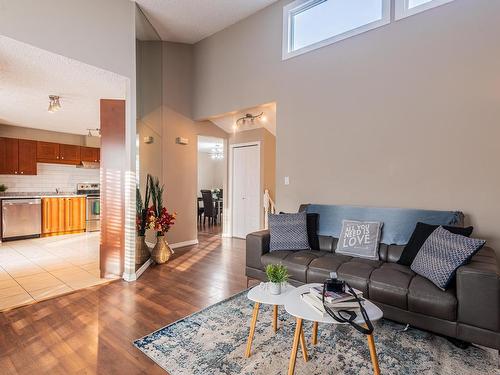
(189, 21)
(28, 76)
(268, 119)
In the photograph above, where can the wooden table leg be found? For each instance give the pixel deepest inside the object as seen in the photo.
(275, 318)
(315, 333)
(295, 347)
(252, 328)
(373, 354)
(303, 346)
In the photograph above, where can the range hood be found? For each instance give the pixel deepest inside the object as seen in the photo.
(89, 165)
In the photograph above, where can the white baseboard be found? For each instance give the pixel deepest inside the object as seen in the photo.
(184, 243)
(143, 268)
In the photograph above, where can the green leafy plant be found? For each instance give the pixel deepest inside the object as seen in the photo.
(3, 188)
(277, 273)
(141, 208)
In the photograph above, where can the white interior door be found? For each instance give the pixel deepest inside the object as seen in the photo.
(246, 190)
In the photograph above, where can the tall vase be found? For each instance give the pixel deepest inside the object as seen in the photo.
(161, 252)
(142, 253)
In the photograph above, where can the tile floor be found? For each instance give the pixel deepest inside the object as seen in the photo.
(36, 269)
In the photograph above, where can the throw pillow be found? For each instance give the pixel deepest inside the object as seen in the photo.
(359, 239)
(312, 230)
(442, 253)
(288, 232)
(420, 234)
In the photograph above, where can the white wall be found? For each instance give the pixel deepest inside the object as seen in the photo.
(406, 115)
(49, 177)
(210, 172)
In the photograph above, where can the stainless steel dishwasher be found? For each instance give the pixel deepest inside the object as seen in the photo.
(21, 218)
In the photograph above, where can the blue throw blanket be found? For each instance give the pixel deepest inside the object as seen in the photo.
(399, 223)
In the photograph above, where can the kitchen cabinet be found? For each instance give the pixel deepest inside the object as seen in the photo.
(17, 156)
(69, 154)
(90, 154)
(63, 215)
(47, 152)
(27, 157)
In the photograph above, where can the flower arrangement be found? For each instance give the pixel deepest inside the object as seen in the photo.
(158, 218)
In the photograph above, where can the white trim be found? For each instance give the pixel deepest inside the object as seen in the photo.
(183, 243)
(402, 9)
(288, 10)
(229, 208)
(143, 268)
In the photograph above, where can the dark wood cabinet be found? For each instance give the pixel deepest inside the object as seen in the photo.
(47, 152)
(91, 154)
(27, 157)
(9, 155)
(69, 154)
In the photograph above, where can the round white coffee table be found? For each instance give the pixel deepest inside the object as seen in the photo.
(260, 295)
(295, 306)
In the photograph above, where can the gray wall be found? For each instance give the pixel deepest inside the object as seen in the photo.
(406, 115)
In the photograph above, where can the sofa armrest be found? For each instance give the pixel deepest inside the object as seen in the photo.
(257, 245)
(478, 291)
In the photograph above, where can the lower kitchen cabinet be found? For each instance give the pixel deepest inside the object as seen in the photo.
(63, 215)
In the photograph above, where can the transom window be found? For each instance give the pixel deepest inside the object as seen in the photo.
(406, 8)
(311, 24)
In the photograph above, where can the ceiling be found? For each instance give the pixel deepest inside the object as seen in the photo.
(207, 144)
(28, 75)
(189, 21)
(268, 119)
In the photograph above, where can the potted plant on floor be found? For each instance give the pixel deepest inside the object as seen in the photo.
(277, 275)
(142, 252)
(161, 221)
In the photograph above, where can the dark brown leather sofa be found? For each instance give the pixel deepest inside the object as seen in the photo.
(469, 311)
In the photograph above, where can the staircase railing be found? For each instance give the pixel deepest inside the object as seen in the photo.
(269, 207)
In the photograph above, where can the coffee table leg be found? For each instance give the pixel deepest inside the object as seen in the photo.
(303, 346)
(315, 333)
(295, 347)
(275, 318)
(252, 329)
(373, 354)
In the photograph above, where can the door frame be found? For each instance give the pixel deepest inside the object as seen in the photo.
(229, 217)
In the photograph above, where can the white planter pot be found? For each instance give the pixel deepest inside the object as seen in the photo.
(275, 288)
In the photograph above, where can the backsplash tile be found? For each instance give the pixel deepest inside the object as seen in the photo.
(50, 177)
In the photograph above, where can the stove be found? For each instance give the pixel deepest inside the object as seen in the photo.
(93, 205)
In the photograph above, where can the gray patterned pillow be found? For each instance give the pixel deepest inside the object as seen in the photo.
(359, 239)
(288, 232)
(442, 253)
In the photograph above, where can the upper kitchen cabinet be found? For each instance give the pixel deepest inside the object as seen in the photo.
(17, 156)
(90, 154)
(69, 154)
(47, 152)
(27, 157)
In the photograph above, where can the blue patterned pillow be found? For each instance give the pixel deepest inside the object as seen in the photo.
(288, 232)
(442, 253)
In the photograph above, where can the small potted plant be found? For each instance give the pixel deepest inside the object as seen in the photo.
(277, 274)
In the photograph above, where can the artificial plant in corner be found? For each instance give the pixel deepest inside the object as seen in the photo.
(160, 220)
(142, 253)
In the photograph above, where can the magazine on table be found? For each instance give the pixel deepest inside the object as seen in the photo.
(334, 297)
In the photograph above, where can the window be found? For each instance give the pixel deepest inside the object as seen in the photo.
(406, 8)
(311, 24)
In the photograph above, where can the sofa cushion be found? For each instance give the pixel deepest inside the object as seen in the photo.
(360, 239)
(320, 268)
(295, 261)
(288, 232)
(389, 284)
(357, 273)
(426, 298)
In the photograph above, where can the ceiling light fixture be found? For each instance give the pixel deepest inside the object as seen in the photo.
(54, 103)
(217, 152)
(247, 119)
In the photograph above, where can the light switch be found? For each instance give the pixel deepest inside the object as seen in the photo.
(287, 180)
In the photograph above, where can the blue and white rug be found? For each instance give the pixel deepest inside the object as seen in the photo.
(213, 342)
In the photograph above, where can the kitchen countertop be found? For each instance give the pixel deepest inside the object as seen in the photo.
(39, 195)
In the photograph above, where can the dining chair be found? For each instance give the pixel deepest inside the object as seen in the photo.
(208, 207)
(200, 209)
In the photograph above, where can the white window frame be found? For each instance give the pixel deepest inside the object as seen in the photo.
(402, 9)
(301, 5)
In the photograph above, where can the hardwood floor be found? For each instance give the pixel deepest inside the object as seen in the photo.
(91, 331)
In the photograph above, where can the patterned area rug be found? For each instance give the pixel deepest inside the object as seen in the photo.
(213, 341)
